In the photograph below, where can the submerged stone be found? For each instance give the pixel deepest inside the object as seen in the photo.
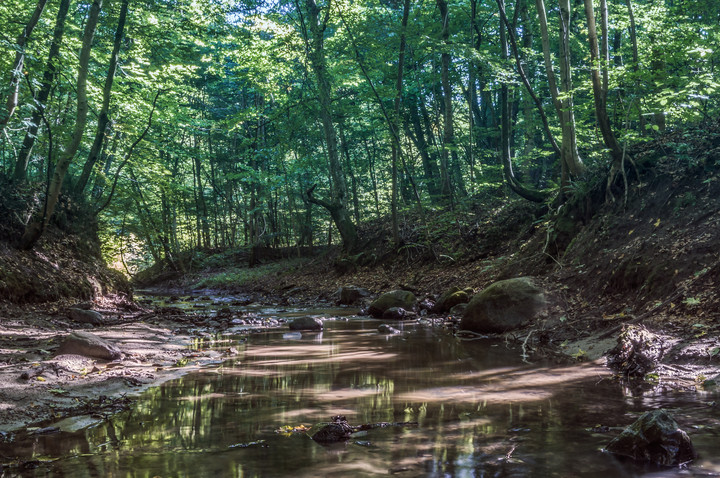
(386, 329)
(334, 432)
(654, 438)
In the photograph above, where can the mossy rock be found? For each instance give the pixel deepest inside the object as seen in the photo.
(503, 306)
(451, 298)
(654, 438)
(397, 298)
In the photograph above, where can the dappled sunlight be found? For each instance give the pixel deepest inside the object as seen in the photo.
(510, 386)
(291, 351)
(446, 409)
(341, 357)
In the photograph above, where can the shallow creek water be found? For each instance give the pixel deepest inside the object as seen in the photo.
(480, 411)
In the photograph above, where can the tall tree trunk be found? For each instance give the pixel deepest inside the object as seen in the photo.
(635, 61)
(448, 132)
(599, 83)
(570, 161)
(43, 94)
(600, 86)
(395, 123)
(337, 205)
(37, 225)
(515, 185)
(103, 118)
(17, 68)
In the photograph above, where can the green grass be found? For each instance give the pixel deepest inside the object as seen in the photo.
(236, 276)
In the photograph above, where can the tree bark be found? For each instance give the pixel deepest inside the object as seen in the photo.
(599, 85)
(395, 123)
(36, 226)
(525, 80)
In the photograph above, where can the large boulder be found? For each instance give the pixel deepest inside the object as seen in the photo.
(349, 294)
(451, 298)
(654, 438)
(397, 298)
(306, 323)
(505, 305)
(88, 345)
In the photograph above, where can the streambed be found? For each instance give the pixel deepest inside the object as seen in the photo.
(480, 411)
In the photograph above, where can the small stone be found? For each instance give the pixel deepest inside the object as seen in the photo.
(86, 316)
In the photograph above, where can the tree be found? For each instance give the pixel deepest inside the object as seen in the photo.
(562, 96)
(17, 68)
(37, 225)
(103, 118)
(40, 100)
(600, 88)
(315, 39)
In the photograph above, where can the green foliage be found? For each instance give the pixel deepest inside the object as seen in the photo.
(236, 139)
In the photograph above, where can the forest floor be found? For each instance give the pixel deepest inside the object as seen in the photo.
(604, 265)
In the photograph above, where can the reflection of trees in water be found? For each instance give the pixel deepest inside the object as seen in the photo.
(211, 421)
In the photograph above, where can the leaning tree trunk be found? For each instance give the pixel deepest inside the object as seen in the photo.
(23, 159)
(17, 68)
(37, 225)
(103, 118)
(515, 185)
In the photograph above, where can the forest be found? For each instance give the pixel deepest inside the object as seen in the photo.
(479, 236)
(191, 125)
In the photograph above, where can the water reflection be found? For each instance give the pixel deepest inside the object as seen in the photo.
(481, 412)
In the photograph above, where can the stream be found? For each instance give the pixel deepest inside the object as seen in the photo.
(480, 411)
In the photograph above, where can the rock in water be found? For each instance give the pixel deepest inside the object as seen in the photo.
(349, 294)
(386, 329)
(89, 345)
(654, 438)
(334, 432)
(505, 305)
(86, 316)
(306, 323)
(396, 298)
